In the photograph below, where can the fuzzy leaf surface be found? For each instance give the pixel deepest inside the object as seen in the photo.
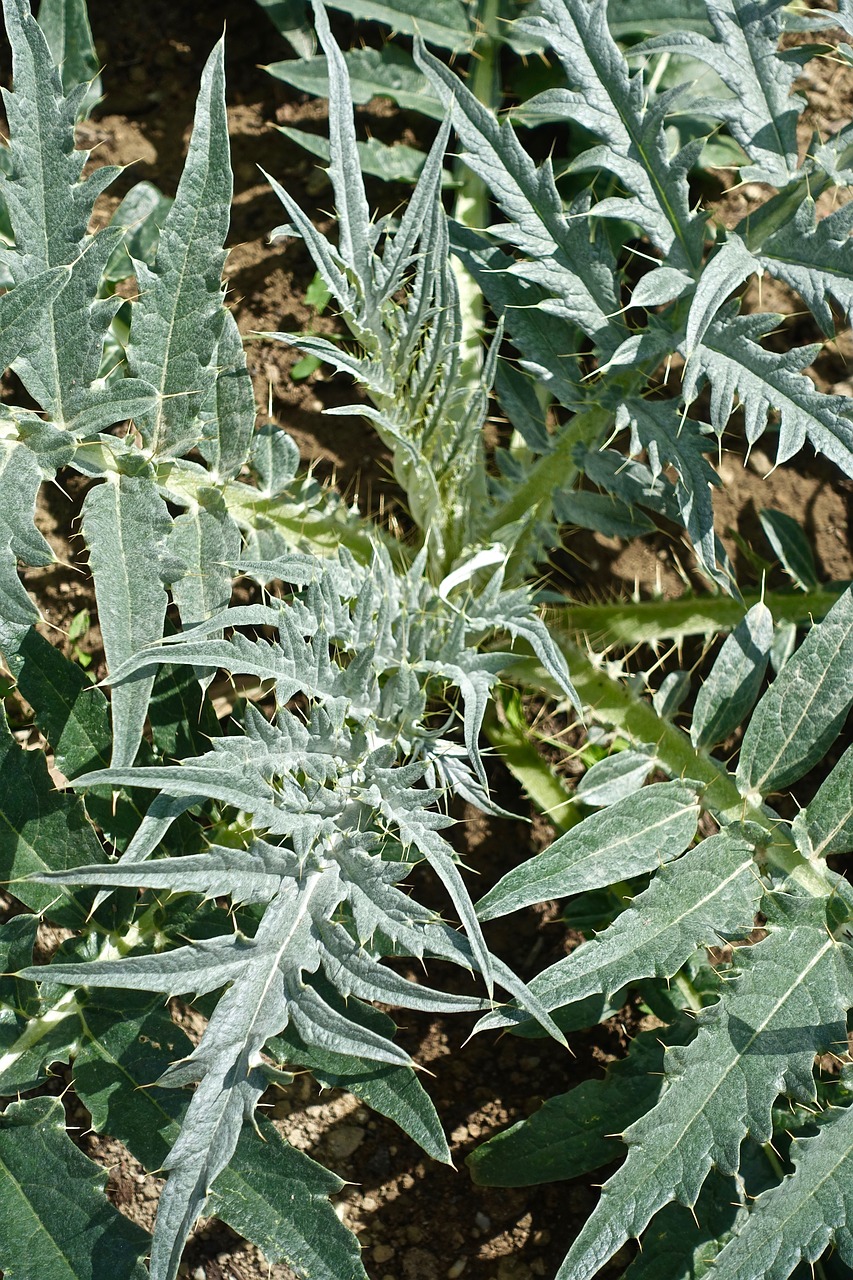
(802, 712)
(788, 1003)
(56, 1220)
(734, 681)
(807, 1212)
(634, 835)
(712, 891)
(272, 1194)
(179, 317)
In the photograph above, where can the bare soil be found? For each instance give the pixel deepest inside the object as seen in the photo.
(415, 1219)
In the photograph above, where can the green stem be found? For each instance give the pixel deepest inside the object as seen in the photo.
(612, 703)
(648, 621)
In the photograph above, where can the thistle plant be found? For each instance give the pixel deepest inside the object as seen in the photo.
(259, 865)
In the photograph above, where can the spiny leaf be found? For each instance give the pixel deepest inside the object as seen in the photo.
(634, 835)
(55, 1219)
(611, 104)
(179, 317)
(228, 414)
(825, 826)
(712, 891)
(734, 364)
(815, 258)
(574, 272)
(396, 1092)
(807, 1212)
(272, 1194)
(762, 114)
(50, 207)
(656, 428)
(788, 1003)
(125, 524)
(735, 679)
(802, 712)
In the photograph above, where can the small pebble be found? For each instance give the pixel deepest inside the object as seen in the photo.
(198, 1274)
(383, 1253)
(483, 1221)
(343, 1140)
(456, 1270)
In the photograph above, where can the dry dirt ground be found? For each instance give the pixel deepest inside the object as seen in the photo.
(416, 1220)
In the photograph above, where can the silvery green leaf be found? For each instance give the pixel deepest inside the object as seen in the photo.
(326, 257)
(724, 272)
(759, 1039)
(663, 284)
(612, 105)
(731, 359)
(21, 308)
(41, 1172)
(20, 480)
(395, 1092)
(125, 1050)
(178, 317)
(245, 875)
(825, 826)
(677, 442)
(762, 113)
(398, 254)
(354, 222)
(786, 537)
(388, 72)
(65, 24)
(205, 966)
(362, 369)
(228, 414)
(802, 712)
(712, 891)
(562, 256)
(614, 778)
(806, 1213)
(668, 699)
(206, 542)
(50, 207)
(815, 258)
(548, 343)
(352, 971)
(110, 402)
(126, 524)
(637, 834)
(439, 855)
(733, 684)
(274, 458)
